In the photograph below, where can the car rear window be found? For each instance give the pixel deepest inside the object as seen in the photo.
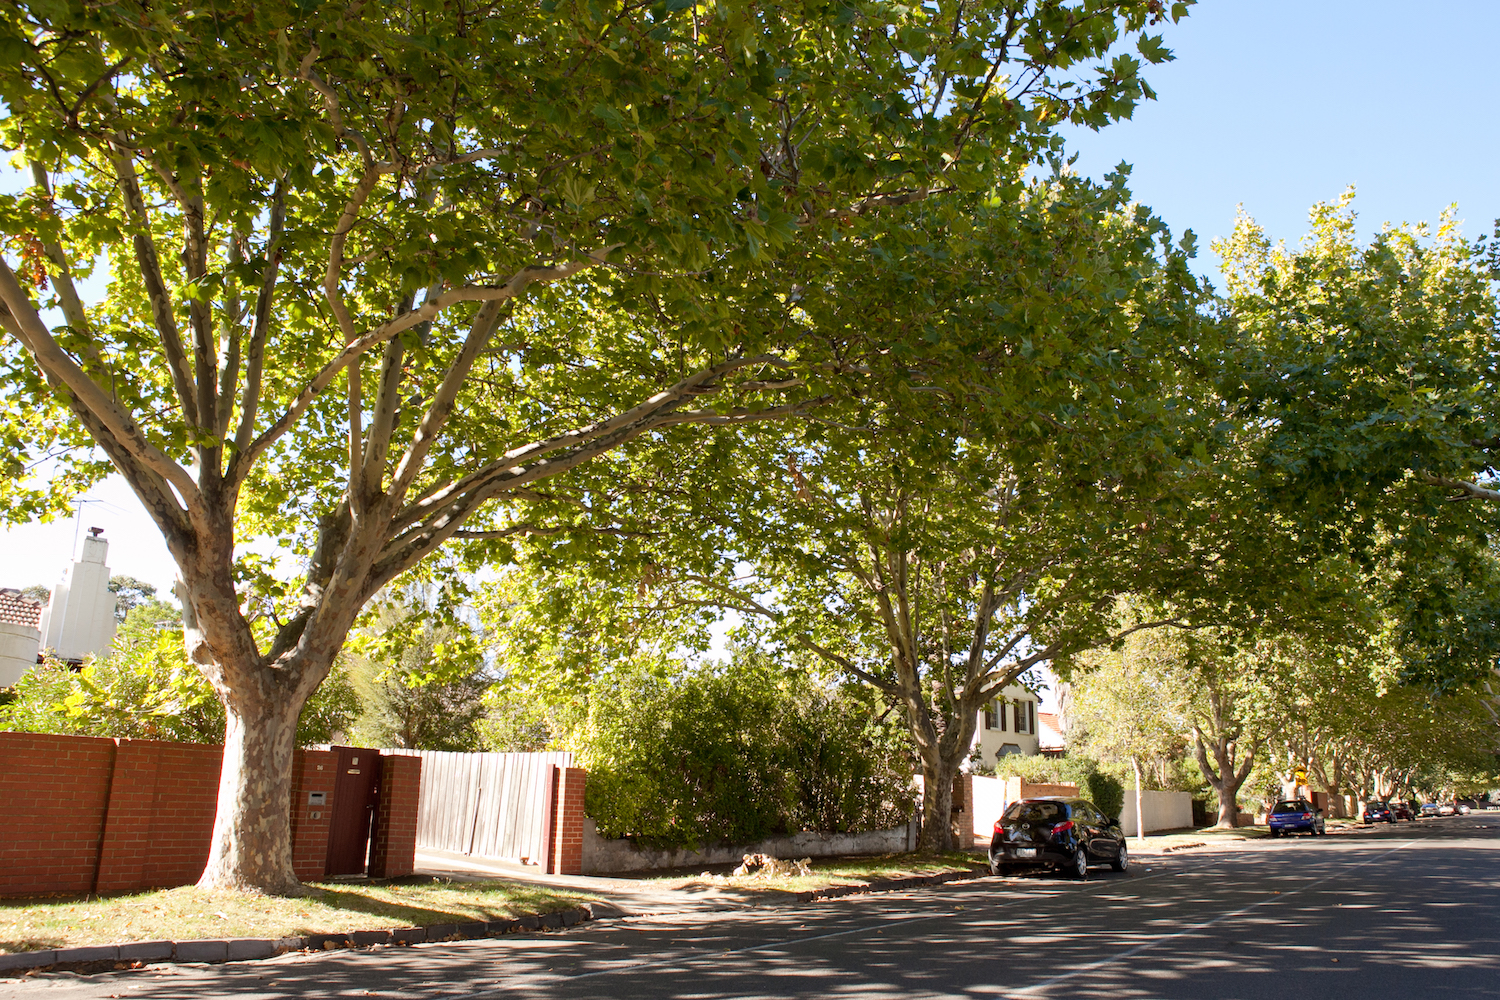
(1036, 812)
(1289, 807)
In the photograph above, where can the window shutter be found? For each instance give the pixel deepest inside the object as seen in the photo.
(1000, 704)
(1031, 717)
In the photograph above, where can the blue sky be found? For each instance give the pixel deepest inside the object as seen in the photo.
(1276, 105)
(1270, 103)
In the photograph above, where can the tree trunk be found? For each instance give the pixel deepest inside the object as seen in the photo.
(1226, 780)
(252, 838)
(1229, 806)
(937, 805)
(1140, 812)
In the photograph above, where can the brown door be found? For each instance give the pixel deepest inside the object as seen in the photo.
(356, 793)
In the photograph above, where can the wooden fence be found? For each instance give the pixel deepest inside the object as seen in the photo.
(492, 805)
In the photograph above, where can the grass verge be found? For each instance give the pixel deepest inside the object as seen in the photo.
(828, 872)
(188, 912)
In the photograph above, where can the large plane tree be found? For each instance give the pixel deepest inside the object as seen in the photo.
(973, 519)
(356, 279)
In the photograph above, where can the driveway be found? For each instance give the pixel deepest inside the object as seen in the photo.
(1413, 910)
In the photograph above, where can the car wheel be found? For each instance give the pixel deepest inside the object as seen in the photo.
(996, 868)
(1079, 869)
(1275, 834)
(1121, 862)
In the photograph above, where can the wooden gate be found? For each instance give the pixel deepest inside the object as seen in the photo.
(356, 796)
(493, 805)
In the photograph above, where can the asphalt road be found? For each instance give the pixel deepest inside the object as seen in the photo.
(1410, 910)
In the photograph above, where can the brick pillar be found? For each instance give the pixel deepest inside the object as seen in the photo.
(394, 852)
(313, 771)
(566, 855)
(963, 811)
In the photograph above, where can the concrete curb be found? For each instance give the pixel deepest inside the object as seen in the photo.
(110, 957)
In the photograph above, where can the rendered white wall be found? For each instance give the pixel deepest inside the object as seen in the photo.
(80, 619)
(18, 648)
(1164, 811)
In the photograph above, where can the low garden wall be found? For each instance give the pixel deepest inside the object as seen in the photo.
(92, 815)
(1164, 811)
(605, 857)
(979, 800)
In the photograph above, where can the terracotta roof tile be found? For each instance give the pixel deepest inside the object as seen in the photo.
(18, 609)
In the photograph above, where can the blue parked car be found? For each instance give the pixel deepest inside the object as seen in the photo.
(1295, 816)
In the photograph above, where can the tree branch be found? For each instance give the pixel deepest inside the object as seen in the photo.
(21, 319)
(430, 309)
(157, 295)
(255, 355)
(1468, 491)
(691, 386)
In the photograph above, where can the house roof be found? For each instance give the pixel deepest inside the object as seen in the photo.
(1049, 733)
(18, 609)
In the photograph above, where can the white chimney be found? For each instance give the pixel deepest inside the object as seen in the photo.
(81, 616)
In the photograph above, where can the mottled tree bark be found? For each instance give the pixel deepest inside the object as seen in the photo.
(936, 836)
(252, 838)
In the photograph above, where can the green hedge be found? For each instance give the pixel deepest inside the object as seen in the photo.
(735, 755)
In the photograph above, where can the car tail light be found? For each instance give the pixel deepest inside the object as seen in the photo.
(1062, 828)
(999, 825)
(1307, 815)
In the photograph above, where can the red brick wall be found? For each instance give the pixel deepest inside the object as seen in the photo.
(312, 771)
(566, 855)
(963, 811)
(102, 815)
(394, 852)
(162, 801)
(54, 791)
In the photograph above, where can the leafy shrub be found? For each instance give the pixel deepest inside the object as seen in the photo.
(145, 689)
(1105, 791)
(735, 755)
(419, 674)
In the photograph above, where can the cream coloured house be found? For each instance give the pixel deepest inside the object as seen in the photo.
(1009, 725)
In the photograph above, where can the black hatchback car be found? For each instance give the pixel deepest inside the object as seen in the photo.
(1063, 833)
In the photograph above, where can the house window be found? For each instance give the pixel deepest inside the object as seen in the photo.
(989, 717)
(1020, 717)
(1000, 711)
